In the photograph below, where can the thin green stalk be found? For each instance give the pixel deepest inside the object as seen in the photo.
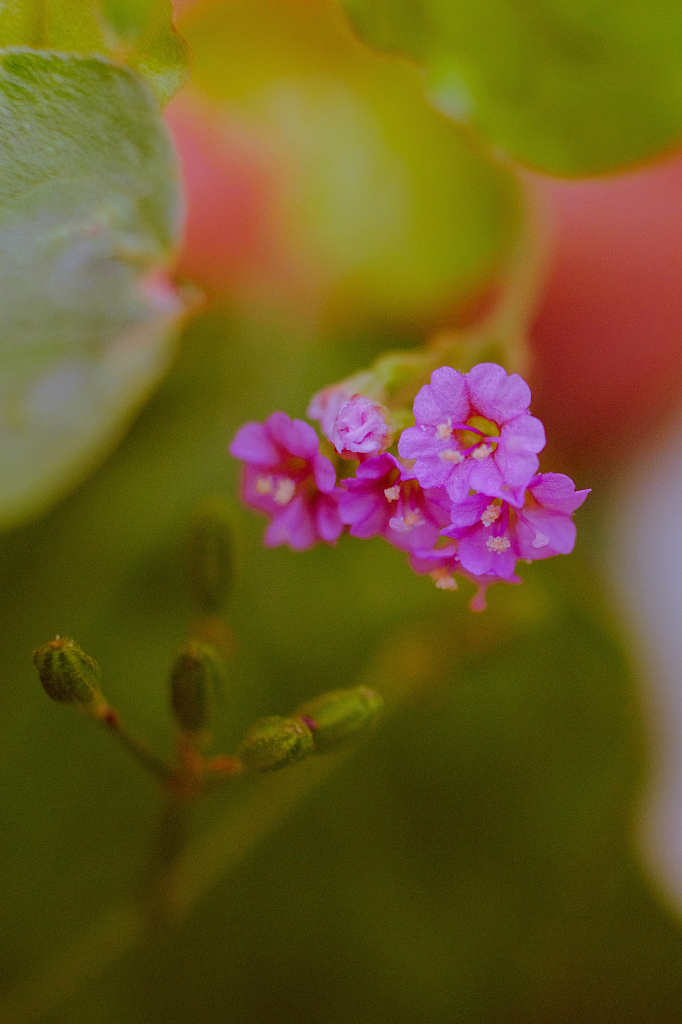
(402, 666)
(138, 748)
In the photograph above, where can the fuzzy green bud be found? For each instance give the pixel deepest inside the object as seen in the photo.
(275, 743)
(338, 717)
(66, 672)
(210, 554)
(197, 674)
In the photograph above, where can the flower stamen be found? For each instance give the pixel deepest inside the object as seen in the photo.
(491, 514)
(285, 491)
(498, 544)
(443, 579)
(403, 524)
(452, 455)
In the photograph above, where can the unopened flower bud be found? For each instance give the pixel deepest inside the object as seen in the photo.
(338, 717)
(275, 743)
(361, 427)
(66, 672)
(325, 405)
(198, 673)
(210, 553)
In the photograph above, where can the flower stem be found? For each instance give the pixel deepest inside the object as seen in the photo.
(111, 719)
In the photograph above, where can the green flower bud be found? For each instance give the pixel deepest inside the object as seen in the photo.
(66, 672)
(407, 369)
(275, 743)
(197, 674)
(338, 717)
(210, 554)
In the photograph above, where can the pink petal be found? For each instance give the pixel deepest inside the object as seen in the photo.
(293, 526)
(523, 434)
(474, 555)
(487, 478)
(468, 512)
(375, 468)
(297, 437)
(495, 394)
(427, 409)
(449, 393)
(559, 529)
(436, 558)
(323, 471)
(329, 524)
(557, 491)
(252, 444)
(416, 443)
(456, 481)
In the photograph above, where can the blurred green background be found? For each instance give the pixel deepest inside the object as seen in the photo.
(472, 861)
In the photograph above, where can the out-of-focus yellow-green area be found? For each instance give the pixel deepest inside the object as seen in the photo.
(383, 207)
(564, 86)
(472, 861)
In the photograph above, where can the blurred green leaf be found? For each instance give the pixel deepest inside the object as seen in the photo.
(148, 43)
(89, 218)
(52, 24)
(375, 199)
(565, 86)
(138, 33)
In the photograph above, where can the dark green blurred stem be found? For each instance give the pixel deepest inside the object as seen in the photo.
(168, 843)
(194, 778)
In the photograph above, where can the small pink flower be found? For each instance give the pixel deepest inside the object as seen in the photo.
(287, 478)
(493, 534)
(385, 499)
(473, 431)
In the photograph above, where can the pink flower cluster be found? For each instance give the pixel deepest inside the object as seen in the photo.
(464, 496)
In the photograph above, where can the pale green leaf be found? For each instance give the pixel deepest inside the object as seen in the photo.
(136, 33)
(89, 216)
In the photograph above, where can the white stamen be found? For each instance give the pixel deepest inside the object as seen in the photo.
(443, 431)
(263, 485)
(482, 452)
(498, 544)
(541, 540)
(392, 493)
(492, 513)
(285, 490)
(451, 455)
(403, 524)
(443, 579)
